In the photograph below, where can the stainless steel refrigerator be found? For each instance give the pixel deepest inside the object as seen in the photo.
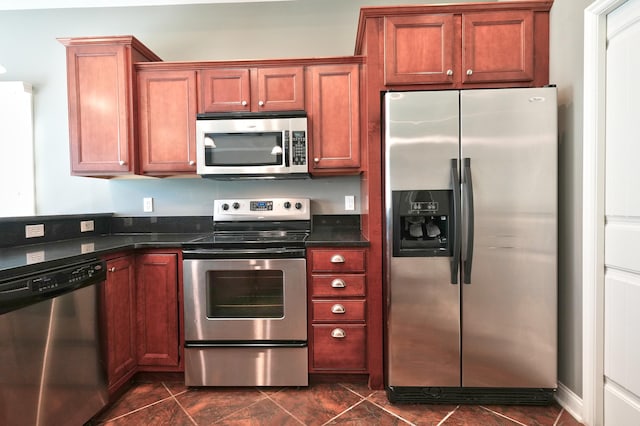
(471, 245)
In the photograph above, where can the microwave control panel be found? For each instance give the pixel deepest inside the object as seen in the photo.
(299, 147)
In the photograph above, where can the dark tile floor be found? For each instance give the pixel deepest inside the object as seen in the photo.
(169, 402)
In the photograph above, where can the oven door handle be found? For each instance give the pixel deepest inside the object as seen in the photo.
(280, 253)
(244, 344)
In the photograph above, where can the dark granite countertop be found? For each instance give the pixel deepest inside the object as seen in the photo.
(63, 243)
(25, 259)
(336, 230)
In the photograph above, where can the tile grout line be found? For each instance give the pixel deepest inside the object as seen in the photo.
(558, 418)
(502, 415)
(388, 411)
(448, 415)
(345, 411)
(245, 407)
(140, 408)
(178, 402)
(281, 407)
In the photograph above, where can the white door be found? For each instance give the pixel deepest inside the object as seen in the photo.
(622, 218)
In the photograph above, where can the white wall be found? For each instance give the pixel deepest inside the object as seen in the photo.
(303, 28)
(566, 58)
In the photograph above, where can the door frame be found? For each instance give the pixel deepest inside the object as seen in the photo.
(593, 205)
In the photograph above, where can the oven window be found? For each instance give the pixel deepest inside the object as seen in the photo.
(243, 149)
(245, 294)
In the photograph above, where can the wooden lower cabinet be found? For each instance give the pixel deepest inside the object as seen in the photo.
(338, 310)
(117, 319)
(141, 315)
(157, 313)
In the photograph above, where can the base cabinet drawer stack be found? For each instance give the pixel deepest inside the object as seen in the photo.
(338, 332)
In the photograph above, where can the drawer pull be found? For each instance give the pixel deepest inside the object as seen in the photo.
(338, 283)
(338, 309)
(337, 258)
(338, 333)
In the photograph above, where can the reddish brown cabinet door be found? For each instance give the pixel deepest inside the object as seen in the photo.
(225, 90)
(101, 92)
(252, 89)
(498, 46)
(337, 310)
(118, 304)
(279, 89)
(420, 49)
(334, 119)
(158, 333)
(167, 118)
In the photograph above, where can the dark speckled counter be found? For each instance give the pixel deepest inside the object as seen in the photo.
(338, 230)
(20, 260)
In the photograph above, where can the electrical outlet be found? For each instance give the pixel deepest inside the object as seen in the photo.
(86, 225)
(349, 202)
(32, 231)
(148, 204)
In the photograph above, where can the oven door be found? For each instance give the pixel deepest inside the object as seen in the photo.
(245, 300)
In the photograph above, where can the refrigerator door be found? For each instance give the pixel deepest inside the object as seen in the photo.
(423, 316)
(509, 305)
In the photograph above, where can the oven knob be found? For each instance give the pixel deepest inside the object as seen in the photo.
(298, 206)
(287, 205)
(236, 205)
(225, 206)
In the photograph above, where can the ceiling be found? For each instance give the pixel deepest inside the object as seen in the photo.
(62, 4)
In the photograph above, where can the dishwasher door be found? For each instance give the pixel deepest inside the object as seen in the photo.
(50, 369)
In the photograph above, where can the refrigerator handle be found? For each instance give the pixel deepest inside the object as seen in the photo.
(468, 185)
(457, 237)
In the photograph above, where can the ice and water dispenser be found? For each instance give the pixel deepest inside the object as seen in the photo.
(422, 223)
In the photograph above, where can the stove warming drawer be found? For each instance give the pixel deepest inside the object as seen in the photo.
(246, 365)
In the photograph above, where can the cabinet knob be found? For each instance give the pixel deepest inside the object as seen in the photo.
(191, 163)
(338, 309)
(261, 103)
(316, 160)
(449, 72)
(338, 333)
(112, 269)
(338, 283)
(337, 258)
(469, 71)
(122, 162)
(244, 103)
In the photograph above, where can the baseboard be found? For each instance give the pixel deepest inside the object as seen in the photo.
(570, 401)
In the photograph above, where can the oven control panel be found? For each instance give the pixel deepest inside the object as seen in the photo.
(262, 209)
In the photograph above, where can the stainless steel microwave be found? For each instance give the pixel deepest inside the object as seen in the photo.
(252, 145)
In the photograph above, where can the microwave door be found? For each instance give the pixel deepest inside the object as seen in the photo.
(245, 150)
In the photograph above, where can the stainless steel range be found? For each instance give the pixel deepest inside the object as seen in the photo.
(245, 296)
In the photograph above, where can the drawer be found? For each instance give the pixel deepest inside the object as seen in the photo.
(338, 260)
(338, 310)
(335, 285)
(339, 347)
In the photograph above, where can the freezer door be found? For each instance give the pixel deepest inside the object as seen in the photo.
(421, 138)
(423, 309)
(509, 306)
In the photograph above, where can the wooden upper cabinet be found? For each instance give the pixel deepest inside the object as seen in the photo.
(461, 49)
(420, 49)
(334, 119)
(252, 89)
(497, 46)
(101, 91)
(167, 116)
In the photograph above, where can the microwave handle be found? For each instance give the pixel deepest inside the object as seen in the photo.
(286, 144)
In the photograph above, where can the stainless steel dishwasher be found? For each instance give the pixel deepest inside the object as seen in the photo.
(51, 371)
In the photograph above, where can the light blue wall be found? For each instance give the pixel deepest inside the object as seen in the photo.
(30, 52)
